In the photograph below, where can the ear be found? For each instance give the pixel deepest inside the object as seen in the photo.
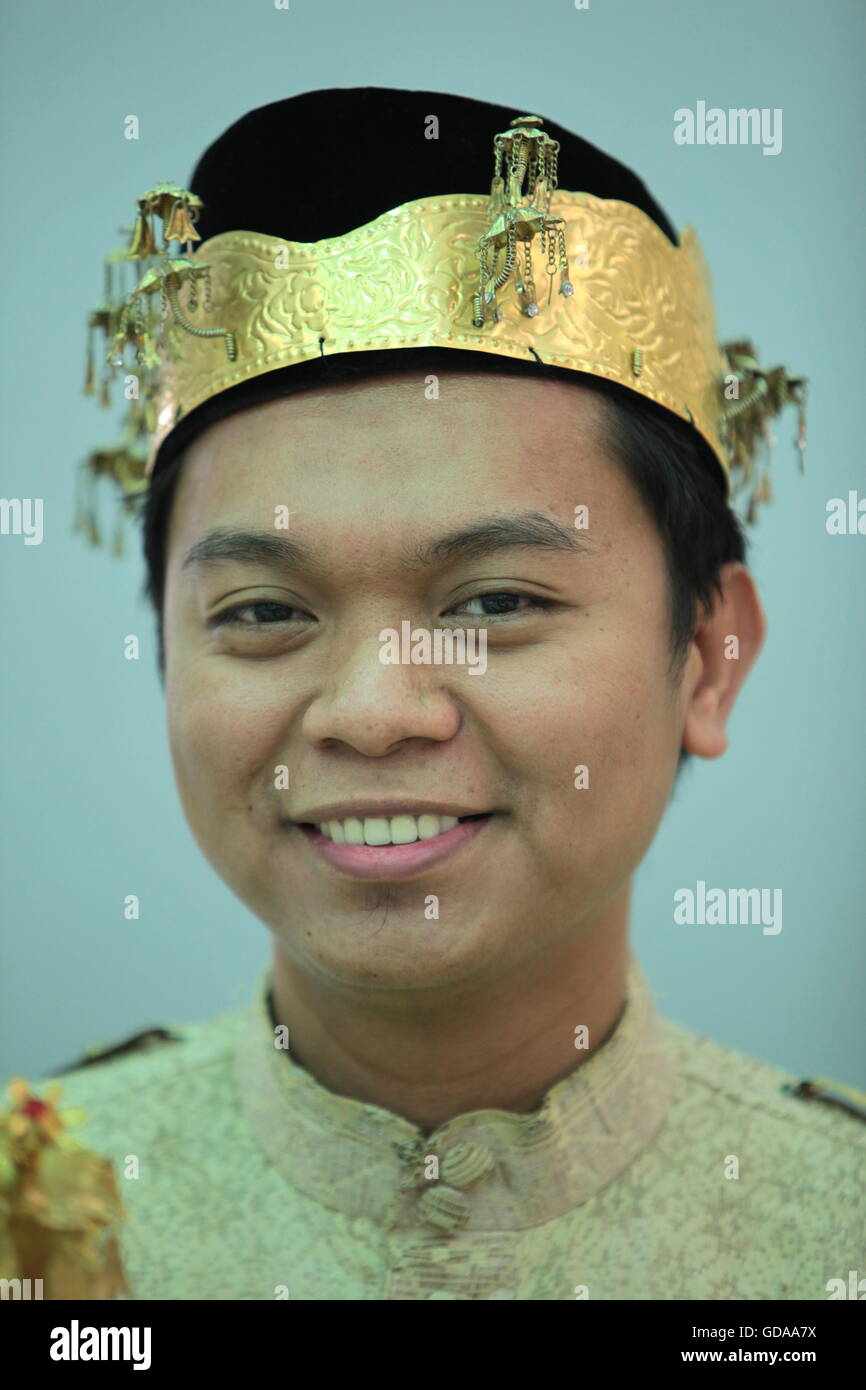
(724, 649)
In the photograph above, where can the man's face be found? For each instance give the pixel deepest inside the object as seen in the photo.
(376, 478)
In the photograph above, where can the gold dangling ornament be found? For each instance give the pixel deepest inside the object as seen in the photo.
(136, 317)
(530, 154)
(60, 1206)
(757, 395)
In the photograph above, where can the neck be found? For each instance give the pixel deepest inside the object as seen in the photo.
(429, 1055)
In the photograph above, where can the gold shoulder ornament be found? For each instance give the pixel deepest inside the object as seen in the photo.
(60, 1208)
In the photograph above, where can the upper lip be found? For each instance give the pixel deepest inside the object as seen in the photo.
(342, 810)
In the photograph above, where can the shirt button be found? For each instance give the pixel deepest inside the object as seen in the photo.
(465, 1164)
(443, 1207)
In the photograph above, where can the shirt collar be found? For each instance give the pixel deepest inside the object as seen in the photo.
(483, 1170)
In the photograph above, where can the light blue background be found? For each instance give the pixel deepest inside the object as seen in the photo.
(89, 808)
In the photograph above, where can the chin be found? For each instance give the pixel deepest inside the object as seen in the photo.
(390, 948)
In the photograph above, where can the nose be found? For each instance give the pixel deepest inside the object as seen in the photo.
(374, 707)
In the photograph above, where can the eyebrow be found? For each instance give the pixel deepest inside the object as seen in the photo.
(489, 534)
(226, 544)
(484, 537)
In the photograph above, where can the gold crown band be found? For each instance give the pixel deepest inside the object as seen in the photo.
(455, 271)
(409, 278)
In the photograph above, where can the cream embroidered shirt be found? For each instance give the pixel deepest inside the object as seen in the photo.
(663, 1167)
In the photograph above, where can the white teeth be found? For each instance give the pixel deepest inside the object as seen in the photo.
(354, 831)
(386, 830)
(377, 830)
(404, 830)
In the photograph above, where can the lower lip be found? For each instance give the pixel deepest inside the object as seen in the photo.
(394, 861)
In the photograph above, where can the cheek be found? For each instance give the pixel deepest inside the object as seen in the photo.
(607, 707)
(221, 740)
(612, 701)
(633, 745)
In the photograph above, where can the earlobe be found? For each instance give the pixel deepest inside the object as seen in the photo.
(725, 647)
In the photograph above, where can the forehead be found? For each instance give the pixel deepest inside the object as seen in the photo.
(390, 456)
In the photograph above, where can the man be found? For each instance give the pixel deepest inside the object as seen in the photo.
(452, 1082)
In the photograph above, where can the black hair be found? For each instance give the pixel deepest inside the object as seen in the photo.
(673, 470)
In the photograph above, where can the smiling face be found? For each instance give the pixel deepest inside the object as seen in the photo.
(457, 512)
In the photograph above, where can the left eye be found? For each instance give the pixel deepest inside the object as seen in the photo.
(274, 613)
(502, 604)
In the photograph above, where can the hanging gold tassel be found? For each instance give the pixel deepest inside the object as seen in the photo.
(180, 224)
(87, 515)
(89, 374)
(761, 394)
(142, 244)
(136, 318)
(178, 210)
(128, 466)
(81, 485)
(117, 547)
(532, 154)
(98, 320)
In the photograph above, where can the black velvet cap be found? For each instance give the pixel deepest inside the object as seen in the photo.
(369, 154)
